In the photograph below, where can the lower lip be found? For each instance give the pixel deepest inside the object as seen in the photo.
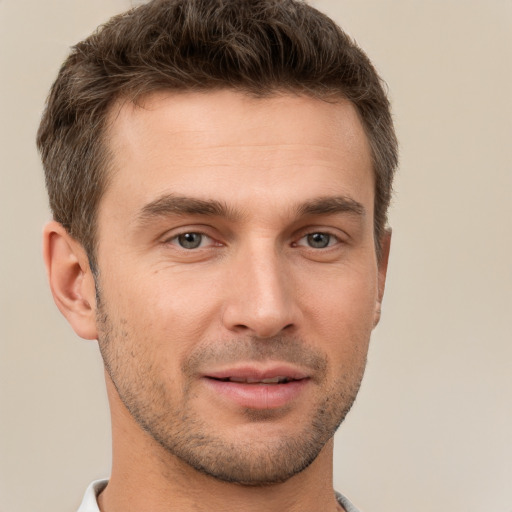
(257, 396)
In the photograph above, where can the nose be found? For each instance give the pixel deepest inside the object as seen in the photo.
(261, 300)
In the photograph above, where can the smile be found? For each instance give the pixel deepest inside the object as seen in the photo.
(256, 388)
(248, 380)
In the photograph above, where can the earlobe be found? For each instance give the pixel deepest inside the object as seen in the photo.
(71, 280)
(382, 271)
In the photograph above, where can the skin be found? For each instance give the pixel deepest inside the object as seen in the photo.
(264, 184)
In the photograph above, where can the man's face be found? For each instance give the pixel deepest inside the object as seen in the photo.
(238, 280)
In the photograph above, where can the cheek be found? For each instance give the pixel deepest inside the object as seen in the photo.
(346, 298)
(164, 311)
(339, 316)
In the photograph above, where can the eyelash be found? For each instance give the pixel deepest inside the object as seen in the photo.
(175, 240)
(331, 240)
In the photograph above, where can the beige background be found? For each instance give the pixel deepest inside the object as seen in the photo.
(432, 427)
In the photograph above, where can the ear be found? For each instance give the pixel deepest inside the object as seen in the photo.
(382, 270)
(71, 280)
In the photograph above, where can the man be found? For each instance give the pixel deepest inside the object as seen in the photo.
(219, 175)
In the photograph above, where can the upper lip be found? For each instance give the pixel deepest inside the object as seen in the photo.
(251, 373)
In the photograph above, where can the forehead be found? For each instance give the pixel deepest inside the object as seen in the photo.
(195, 118)
(196, 143)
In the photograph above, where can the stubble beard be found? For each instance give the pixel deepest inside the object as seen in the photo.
(183, 434)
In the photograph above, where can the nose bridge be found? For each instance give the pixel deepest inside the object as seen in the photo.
(261, 299)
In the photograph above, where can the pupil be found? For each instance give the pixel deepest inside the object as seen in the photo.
(318, 240)
(190, 240)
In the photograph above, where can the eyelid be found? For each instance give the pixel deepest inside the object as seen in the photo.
(340, 236)
(204, 240)
(332, 236)
(171, 236)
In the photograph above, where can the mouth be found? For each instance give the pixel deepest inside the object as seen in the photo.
(249, 380)
(254, 388)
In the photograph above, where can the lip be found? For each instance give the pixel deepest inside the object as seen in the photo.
(257, 395)
(258, 373)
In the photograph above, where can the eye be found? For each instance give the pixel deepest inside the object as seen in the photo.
(191, 240)
(318, 240)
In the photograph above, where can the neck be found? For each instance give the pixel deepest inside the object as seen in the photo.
(143, 483)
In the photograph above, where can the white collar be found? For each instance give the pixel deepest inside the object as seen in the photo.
(90, 502)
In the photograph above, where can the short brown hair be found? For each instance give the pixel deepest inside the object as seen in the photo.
(258, 47)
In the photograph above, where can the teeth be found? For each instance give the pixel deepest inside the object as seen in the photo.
(273, 380)
(237, 379)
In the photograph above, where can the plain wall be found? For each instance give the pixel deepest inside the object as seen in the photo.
(431, 429)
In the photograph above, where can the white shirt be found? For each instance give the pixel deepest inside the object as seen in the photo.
(90, 503)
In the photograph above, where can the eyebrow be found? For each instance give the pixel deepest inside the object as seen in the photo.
(170, 204)
(331, 205)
